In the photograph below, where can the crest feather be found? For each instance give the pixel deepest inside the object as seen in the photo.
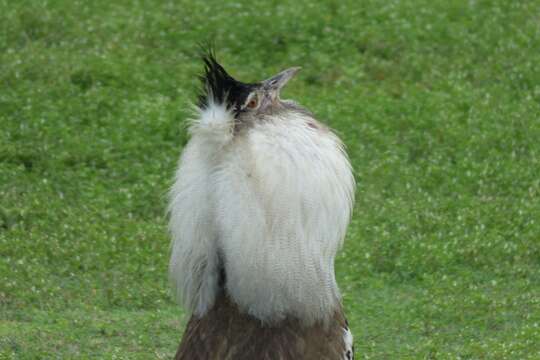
(218, 86)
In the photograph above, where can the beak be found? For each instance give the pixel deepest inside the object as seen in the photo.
(275, 83)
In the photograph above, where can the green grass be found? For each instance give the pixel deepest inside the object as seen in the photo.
(437, 101)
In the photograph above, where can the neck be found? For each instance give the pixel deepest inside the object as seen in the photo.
(276, 204)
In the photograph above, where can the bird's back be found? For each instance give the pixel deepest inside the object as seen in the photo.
(225, 333)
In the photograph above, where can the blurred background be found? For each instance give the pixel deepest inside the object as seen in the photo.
(437, 101)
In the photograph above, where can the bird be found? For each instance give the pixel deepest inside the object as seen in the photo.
(259, 207)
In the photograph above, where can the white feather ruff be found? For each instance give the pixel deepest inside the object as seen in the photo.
(274, 202)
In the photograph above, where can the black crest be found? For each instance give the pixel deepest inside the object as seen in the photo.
(220, 86)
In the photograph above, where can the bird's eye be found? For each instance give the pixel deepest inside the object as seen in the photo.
(252, 103)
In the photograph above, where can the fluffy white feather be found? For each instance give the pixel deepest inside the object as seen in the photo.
(193, 265)
(274, 201)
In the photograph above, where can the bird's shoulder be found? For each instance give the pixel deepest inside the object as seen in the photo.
(225, 333)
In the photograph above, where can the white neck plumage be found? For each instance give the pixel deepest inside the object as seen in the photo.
(269, 205)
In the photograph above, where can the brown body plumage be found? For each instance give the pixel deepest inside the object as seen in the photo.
(225, 333)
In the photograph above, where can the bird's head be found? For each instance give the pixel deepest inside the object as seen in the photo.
(244, 100)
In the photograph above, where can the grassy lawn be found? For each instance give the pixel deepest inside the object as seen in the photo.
(439, 105)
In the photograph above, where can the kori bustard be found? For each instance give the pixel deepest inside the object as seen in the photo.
(262, 198)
